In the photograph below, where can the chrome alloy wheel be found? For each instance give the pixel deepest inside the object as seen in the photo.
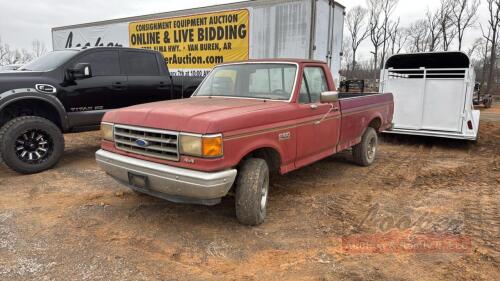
(263, 194)
(34, 146)
(371, 149)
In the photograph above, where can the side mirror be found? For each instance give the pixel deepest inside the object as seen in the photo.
(329, 97)
(80, 71)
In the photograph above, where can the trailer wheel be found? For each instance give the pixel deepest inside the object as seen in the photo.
(252, 187)
(31, 144)
(488, 102)
(364, 152)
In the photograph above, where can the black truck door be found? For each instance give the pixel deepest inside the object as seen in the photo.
(86, 100)
(146, 82)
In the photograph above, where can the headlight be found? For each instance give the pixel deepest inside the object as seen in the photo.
(190, 145)
(107, 131)
(201, 146)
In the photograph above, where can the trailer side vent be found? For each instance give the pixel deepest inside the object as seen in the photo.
(427, 74)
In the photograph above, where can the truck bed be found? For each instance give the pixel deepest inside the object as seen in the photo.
(359, 110)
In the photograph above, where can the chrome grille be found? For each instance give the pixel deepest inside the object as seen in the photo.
(160, 144)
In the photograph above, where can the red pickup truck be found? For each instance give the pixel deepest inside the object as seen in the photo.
(245, 121)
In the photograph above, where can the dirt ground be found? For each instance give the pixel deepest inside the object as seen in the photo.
(75, 223)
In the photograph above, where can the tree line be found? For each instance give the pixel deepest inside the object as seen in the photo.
(441, 29)
(9, 55)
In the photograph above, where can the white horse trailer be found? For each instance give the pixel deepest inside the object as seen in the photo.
(433, 94)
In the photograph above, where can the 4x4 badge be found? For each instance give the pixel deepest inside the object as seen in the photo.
(284, 136)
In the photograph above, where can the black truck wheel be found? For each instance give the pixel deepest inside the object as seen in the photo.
(364, 152)
(252, 187)
(31, 144)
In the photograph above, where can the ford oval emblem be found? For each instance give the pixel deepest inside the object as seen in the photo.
(142, 143)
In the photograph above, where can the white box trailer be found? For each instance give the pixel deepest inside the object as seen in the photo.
(433, 94)
(194, 40)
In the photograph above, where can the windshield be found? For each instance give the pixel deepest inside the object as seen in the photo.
(49, 61)
(251, 80)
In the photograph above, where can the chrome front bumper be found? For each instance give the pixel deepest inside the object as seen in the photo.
(167, 182)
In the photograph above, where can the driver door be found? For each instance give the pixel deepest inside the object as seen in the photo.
(86, 100)
(319, 127)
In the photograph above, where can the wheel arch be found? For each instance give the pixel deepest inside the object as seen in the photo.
(50, 105)
(375, 123)
(270, 153)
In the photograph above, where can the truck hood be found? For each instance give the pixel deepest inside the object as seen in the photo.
(201, 115)
(19, 79)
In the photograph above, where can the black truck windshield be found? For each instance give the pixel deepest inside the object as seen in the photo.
(250, 80)
(49, 61)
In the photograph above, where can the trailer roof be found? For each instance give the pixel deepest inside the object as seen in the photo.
(429, 60)
(202, 9)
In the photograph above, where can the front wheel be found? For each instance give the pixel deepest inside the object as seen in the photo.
(252, 188)
(31, 144)
(364, 152)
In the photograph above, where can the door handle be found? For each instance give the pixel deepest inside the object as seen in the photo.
(119, 86)
(163, 86)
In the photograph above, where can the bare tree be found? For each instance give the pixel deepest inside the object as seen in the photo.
(388, 7)
(435, 30)
(347, 57)
(38, 48)
(419, 36)
(14, 57)
(4, 52)
(492, 37)
(392, 28)
(358, 30)
(483, 53)
(448, 30)
(464, 16)
(376, 28)
(380, 12)
(398, 39)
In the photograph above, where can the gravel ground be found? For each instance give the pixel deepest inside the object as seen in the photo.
(329, 221)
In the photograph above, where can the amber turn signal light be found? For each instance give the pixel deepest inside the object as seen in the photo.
(212, 146)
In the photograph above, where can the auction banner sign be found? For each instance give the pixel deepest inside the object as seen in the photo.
(193, 44)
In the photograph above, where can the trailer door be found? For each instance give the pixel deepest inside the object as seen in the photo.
(444, 101)
(426, 99)
(408, 91)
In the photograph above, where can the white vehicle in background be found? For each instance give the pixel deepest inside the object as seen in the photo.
(9, 67)
(433, 94)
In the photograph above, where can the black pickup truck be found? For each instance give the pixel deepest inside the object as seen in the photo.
(69, 91)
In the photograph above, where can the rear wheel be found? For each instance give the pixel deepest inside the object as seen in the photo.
(31, 144)
(252, 188)
(364, 153)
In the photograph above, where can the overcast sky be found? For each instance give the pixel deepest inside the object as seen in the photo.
(22, 21)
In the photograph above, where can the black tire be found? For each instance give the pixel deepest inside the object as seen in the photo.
(364, 152)
(252, 187)
(488, 103)
(31, 144)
